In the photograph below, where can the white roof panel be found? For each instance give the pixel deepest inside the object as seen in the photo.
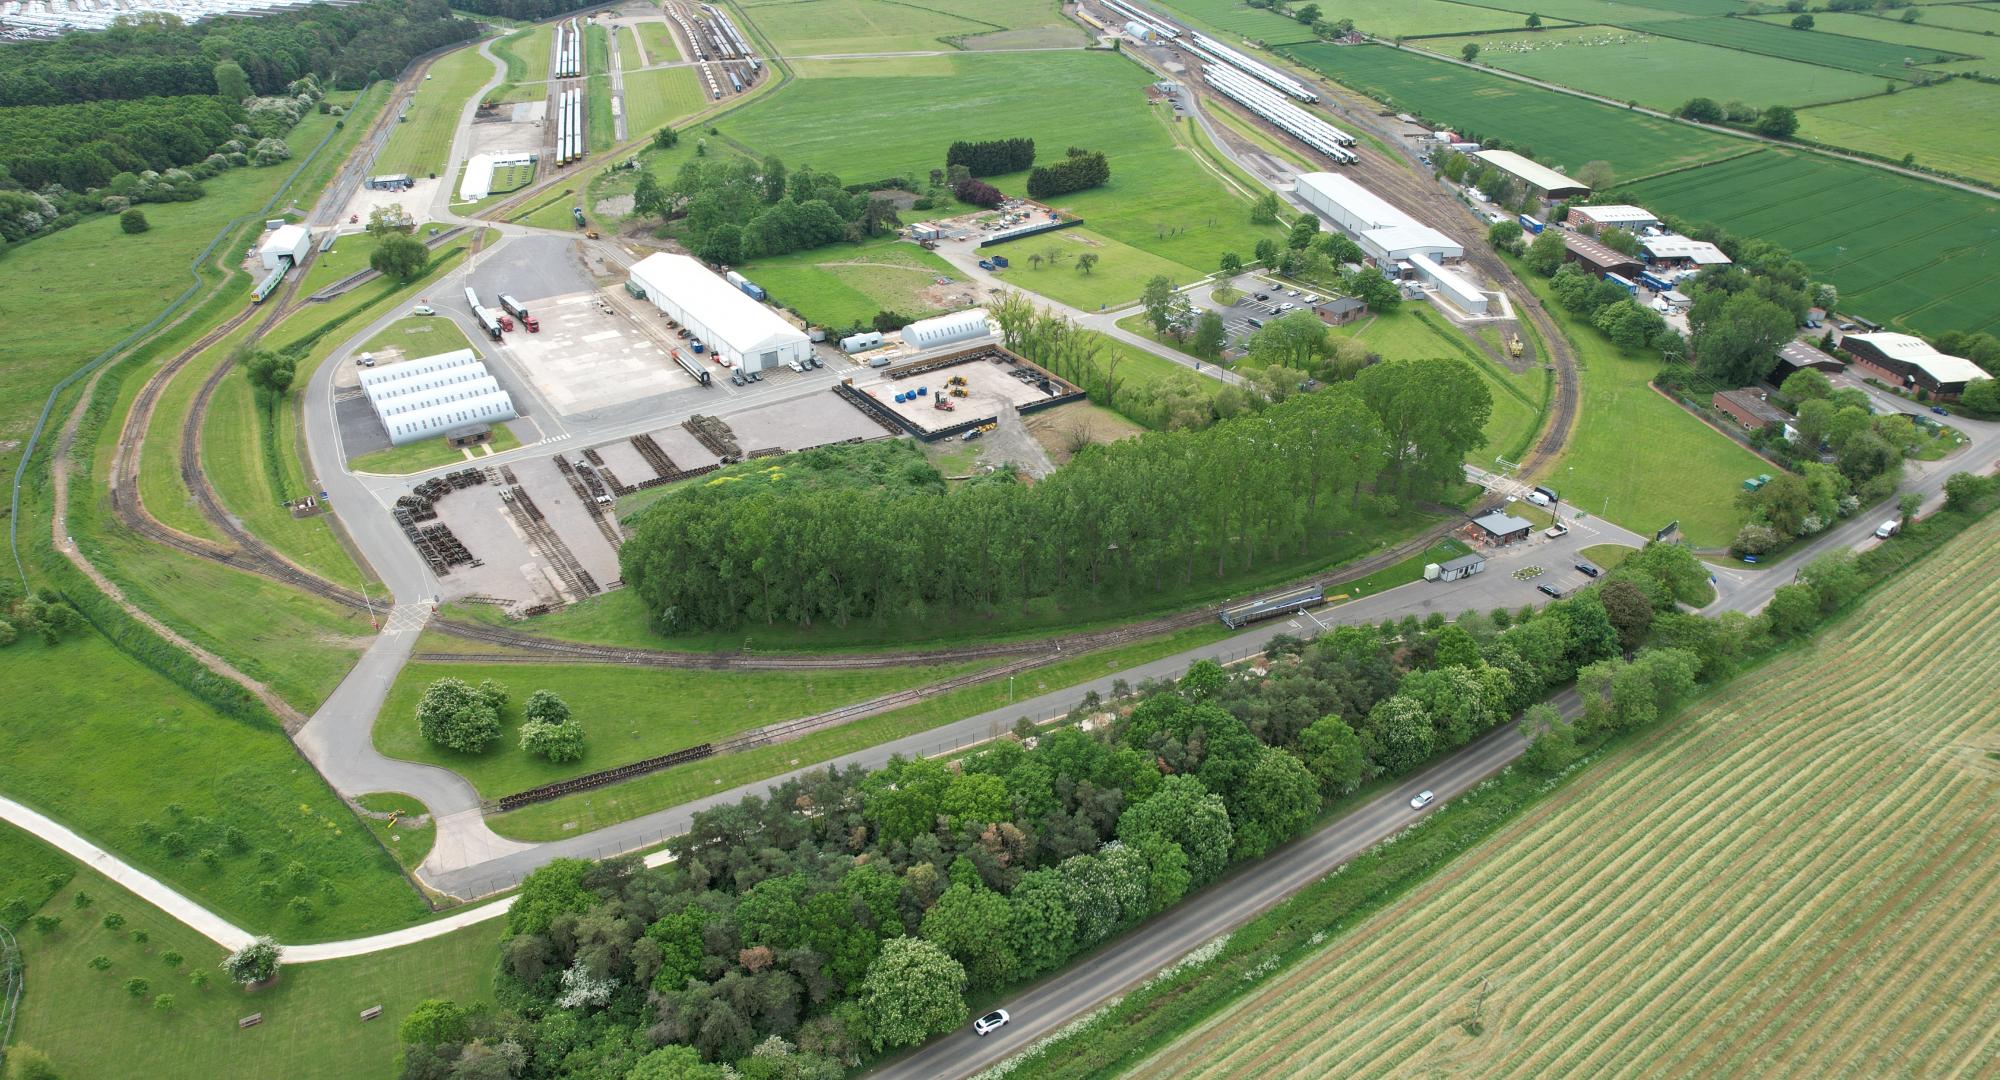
(1942, 367)
(731, 316)
(1356, 200)
(1534, 173)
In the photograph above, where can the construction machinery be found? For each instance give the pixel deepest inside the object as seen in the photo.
(943, 403)
(1514, 346)
(956, 391)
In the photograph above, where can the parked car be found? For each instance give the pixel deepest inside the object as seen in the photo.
(1423, 799)
(1940, 410)
(990, 1023)
(795, 366)
(736, 377)
(367, 359)
(1750, 558)
(1263, 296)
(423, 309)
(1587, 570)
(1551, 591)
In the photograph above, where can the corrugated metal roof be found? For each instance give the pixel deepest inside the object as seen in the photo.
(1539, 175)
(732, 318)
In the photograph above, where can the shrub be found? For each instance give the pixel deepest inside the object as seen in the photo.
(113, 921)
(559, 743)
(457, 717)
(137, 987)
(133, 221)
(100, 962)
(254, 962)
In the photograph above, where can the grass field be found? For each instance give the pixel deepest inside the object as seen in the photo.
(30, 872)
(836, 27)
(1925, 35)
(1951, 126)
(1518, 399)
(91, 1027)
(1978, 18)
(417, 336)
(408, 843)
(628, 47)
(1239, 21)
(1609, 11)
(855, 120)
(421, 143)
(629, 714)
(1880, 59)
(1916, 255)
(845, 284)
(588, 810)
(1795, 880)
(526, 54)
(428, 454)
(124, 754)
(1562, 130)
(1396, 18)
(659, 42)
(1631, 66)
(654, 98)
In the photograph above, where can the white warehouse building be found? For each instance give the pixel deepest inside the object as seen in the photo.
(946, 329)
(435, 395)
(1389, 236)
(285, 242)
(739, 330)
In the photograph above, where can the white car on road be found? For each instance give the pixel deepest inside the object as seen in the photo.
(1422, 800)
(991, 1022)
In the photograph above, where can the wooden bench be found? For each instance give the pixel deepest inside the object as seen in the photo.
(250, 1021)
(370, 1013)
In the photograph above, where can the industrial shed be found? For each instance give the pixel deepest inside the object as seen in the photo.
(1910, 363)
(1455, 286)
(285, 242)
(1500, 527)
(1621, 216)
(1681, 251)
(736, 328)
(1598, 257)
(1546, 182)
(947, 329)
(1385, 233)
(433, 395)
(1751, 408)
(1796, 356)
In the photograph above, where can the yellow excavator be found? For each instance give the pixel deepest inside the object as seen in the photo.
(1514, 346)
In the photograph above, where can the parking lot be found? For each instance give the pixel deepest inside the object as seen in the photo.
(587, 358)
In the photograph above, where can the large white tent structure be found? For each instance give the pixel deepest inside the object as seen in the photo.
(418, 399)
(947, 329)
(729, 323)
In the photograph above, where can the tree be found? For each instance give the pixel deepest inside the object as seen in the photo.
(912, 992)
(1534, 21)
(559, 744)
(970, 922)
(1371, 288)
(1551, 740)
(1333, 754)
(1470, 51)
(1802, 22)
(255, 962)
(435, 1021)
(133, 222)
(1982, 397)
(1598, 175)
(1183, 811)
(1295, 340)
(1434, 412)
(1306, 13)
(649, 199)
(1737, 339)
(1506, 235)
(1304, 229)
(137, 987)
(453, 715)
(231, 83)
(24, 1062)
(1793, 610)
(551, 890)
(400, 258)
(1209, 335)
(1231, 263)
(1086, 261)
(1276, 799)
(1545, 252)
(269, 372)
(1265, 208)
(1629, 610)
(1702, 110)
(666, 139)
(1778, 122)
(1267, 252)
(1963, 490)
(1158, 298)
(671, 1063)
(1807, 384)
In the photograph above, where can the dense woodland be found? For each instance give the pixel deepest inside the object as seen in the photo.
(850, 913)
(729, 209)
(993, 158)
(1119, 522)
(1078, 170)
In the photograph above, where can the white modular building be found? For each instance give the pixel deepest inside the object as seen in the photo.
(1456, 287)
(435, 395)
(947, 329)
(285, 242)
(729, 323)
(1385, 233)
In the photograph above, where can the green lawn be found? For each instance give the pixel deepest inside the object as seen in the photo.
(1977, 18)
(1607, 11)
(1412, 332)
(1913, 254)
(30, 873)
(1638, 458)
(123, 755)
(85, 1020)
(845, 284)
(855, 120)
(1237, 21)
(526, 53)
(606, 806)
(417, 336)
(630, 713)
(597, 88)
(1118, 278)
(1628, 65)
(1608, 556)
(628, 48)
(1561, 130)
(408, 843)
(834, 27)
(429, 454)
(659, 42)
(421, 143)
(1951, 126)
(160, 485)
(1878, 59)
(657, 98)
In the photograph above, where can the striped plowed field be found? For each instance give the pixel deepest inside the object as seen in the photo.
(1800, 878)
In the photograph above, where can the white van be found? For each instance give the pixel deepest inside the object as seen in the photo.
(1888, 529)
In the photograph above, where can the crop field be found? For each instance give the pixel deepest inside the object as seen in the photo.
(1396, 18)
(1917, 255)
(421, 143)
(659, 42)
(1877, 58)
(1930, 36)
(1605, 11)
(1240, 21)
(659, 96)
(1797, 879)
(1627, 65)
(1951, 126)
(1160, 200)
(1978, 18)
(844, 284)
(1561, 129)
(837, 27)
(91, 1026)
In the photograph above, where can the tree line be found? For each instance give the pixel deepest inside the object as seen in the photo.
(159, 56)
(993, 157)
(1078, 170)
(1119, 522)
(84, 146)
(851, 913)
(728, 210)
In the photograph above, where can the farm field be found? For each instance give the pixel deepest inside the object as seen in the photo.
(1562, 130)
(90, 1026)
(1160, 200)
(1394, 18)
(1609, 11)
(1797, 879)
(140, 767)
(1239, 21)
(1630, 66)
(421, 144)
(837, 27)
(1978, 18)
(1877, 58)
(1920, 256)
(629, 714)
(846, 284)
(1924, 34)
(1951, 126)
(659, 96)
(659, 42)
